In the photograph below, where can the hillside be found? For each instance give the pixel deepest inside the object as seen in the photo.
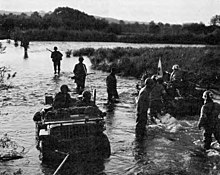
(42, 13)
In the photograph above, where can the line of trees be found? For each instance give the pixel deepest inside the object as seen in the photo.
(67, 24)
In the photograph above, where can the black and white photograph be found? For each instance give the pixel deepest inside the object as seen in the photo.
(109, 87)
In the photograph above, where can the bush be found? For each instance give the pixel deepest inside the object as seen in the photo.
(200, 64)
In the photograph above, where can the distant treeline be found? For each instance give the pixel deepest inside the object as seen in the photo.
(201, 64)
(67, 24)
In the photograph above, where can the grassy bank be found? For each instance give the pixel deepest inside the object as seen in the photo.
(202, 64)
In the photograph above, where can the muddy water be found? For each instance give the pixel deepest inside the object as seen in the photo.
(163, 150)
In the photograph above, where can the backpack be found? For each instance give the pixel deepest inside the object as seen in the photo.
(56, 56)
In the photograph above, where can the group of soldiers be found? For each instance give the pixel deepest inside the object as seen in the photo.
(151, 103)
(63, 99)
(151, 98)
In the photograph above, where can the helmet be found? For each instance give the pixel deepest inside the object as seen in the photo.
(86, 94)
(149, 82)
(81, 58)
(154, 77)
(64, 87)
(113, 69)
(207, 94)
(175, 67)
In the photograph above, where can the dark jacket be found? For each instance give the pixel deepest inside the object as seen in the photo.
(56, 56)
(209, 115)
(80, 70)
(157, 92)
(111, 82)
(62, 100)
(143, 102)
(176, 75)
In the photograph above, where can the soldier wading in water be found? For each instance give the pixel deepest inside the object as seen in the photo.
(80, 72)
(56, 58)
(209, 120)
(143, 104)
(111, 83)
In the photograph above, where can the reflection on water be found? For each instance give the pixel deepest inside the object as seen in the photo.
(162, 151)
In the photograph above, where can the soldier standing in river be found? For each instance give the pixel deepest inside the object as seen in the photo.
(111, 83)
(209, 120)
(80, 72)
(143, 104)
(56, 58)
(156, 98)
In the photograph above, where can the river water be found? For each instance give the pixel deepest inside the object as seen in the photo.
(163, 151)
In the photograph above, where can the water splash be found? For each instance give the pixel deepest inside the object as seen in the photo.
(10, 149)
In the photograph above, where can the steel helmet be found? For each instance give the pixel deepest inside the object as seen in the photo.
(149, 82)
(86, 94)
(175, 67)
(81, 58)
(154, 77)
(64, 87)
(207, 94)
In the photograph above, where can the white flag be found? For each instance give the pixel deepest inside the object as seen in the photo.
(159, 69)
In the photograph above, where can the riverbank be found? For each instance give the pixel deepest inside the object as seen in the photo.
(200, 64)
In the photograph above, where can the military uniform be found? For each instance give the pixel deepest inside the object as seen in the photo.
(111, 83)
(177, 81)
(56, 58)
(80, 72)
(156, 103)
(91, 108)
(142, 107)
(62, 100)
(210, 121)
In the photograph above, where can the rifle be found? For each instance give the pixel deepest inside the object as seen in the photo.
(73, 76)
(49, 50)
(90, 73)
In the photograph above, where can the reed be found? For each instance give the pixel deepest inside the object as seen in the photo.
(202, 63)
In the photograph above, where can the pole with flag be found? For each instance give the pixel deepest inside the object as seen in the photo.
(159, 69)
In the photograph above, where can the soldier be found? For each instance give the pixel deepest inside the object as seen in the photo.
(144, 77)
(56, 58)
(80, 72)
(25, 44)
(92, 108)
(62, 98)
(176, 74)
(111, 83)
(209, 120)
(142, 107)
(176, 79)
(156, 98)
(86, 100)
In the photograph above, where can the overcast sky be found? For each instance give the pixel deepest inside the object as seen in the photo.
(165, 11)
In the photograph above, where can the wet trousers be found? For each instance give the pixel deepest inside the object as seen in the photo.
(156, 107)
(80, 84)
(112, 93)
(141, 123)
(56, 66)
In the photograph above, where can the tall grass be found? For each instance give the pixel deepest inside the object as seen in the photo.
(202, 63)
